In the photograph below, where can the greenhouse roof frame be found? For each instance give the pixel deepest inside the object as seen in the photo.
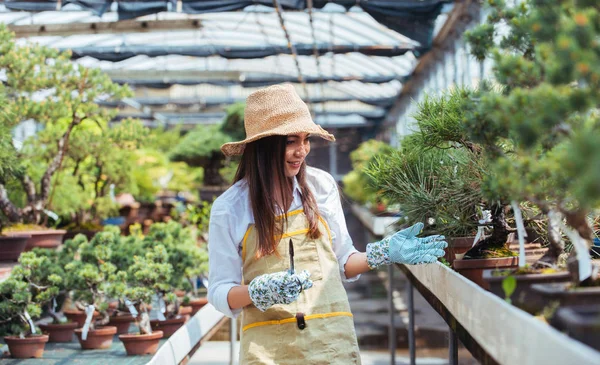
(341, 47)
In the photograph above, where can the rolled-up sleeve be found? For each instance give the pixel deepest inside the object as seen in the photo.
(225, 262)
(343, 247)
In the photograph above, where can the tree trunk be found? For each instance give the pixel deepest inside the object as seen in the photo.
(212, 177)
(557, 245)
(8, 208)
(495, 244)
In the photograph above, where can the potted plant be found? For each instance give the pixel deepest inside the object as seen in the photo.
(438, 178)
(70, 92)
(147, 277)
(91, 277)
(186, 260)
(547, 111)
(10, 246)
(58, 329)
(21, 297)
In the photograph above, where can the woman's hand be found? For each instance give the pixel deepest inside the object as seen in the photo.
(404, 247)
(278, 288)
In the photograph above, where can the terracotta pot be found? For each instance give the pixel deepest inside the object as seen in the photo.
(12, 246)
(457, 245)
(122, 322)
(141, 344)
(533, 251)
(179, 293)
(61, 332)
(77, 316)
(524, 297)
(28, 347)
(472, 269)
(185, 311)
(168, 327)
(197, 304)
(564, 295)
(100, 338)
(49, 238)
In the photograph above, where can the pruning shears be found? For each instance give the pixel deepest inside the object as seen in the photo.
(291, 250)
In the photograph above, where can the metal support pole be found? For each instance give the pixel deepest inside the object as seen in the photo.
(412, 348)
(333, 159)
(452, 348)
(392, 310)
(232, 341)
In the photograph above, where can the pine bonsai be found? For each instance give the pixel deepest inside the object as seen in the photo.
(24, 292)
(147, 277)
(92, 274)
(547, 66)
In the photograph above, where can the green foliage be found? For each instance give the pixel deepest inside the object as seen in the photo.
(201, 147)
(92, 275)
(187, 259)
(233, 125)
(67, 108)
(357, 184)
(30, 285)
(153, 172)
(439, 187)
(509, 284)
(548, 65)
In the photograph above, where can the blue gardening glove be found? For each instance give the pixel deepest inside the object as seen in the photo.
(278, 288)
(404, 247)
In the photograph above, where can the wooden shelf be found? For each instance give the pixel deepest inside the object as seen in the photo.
(493, 330)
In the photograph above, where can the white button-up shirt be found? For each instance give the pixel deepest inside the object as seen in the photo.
(231, 215)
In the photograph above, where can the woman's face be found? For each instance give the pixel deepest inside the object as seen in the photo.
(296, 149)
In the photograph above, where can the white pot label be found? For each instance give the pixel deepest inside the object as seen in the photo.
(89, 312)
(161, 309)
(131, 308)
(521, 231)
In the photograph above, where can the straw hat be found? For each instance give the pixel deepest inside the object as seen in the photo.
(275, 110)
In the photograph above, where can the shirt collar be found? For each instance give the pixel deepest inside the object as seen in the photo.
(296, 186)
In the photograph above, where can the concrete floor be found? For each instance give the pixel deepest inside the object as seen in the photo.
(217, 353)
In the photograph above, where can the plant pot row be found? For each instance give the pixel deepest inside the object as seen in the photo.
(100, 338)
(575, 311)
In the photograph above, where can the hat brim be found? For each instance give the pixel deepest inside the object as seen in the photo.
(237, 148)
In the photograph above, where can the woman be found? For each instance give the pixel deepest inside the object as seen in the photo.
(279, 247)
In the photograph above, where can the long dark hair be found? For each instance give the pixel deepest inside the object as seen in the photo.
(262, 165)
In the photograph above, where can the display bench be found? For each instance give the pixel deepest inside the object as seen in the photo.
(172, 351)
(494, 331)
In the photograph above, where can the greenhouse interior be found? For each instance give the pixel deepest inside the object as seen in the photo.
(434, 165)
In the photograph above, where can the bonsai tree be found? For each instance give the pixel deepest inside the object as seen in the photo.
(357, 183)
(98, 159)
(69, 92)
(92, 275)
(186, 258)
(201, 146)
(547, 66)
(436, 186)
(22, 294)
(147, 277)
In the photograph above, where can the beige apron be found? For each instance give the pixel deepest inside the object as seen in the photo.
(318, 328)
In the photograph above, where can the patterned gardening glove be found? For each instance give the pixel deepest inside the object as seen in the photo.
(404, 247)
(278, 288)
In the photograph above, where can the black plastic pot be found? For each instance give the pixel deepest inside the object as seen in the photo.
(581, 322)
(523, 297)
